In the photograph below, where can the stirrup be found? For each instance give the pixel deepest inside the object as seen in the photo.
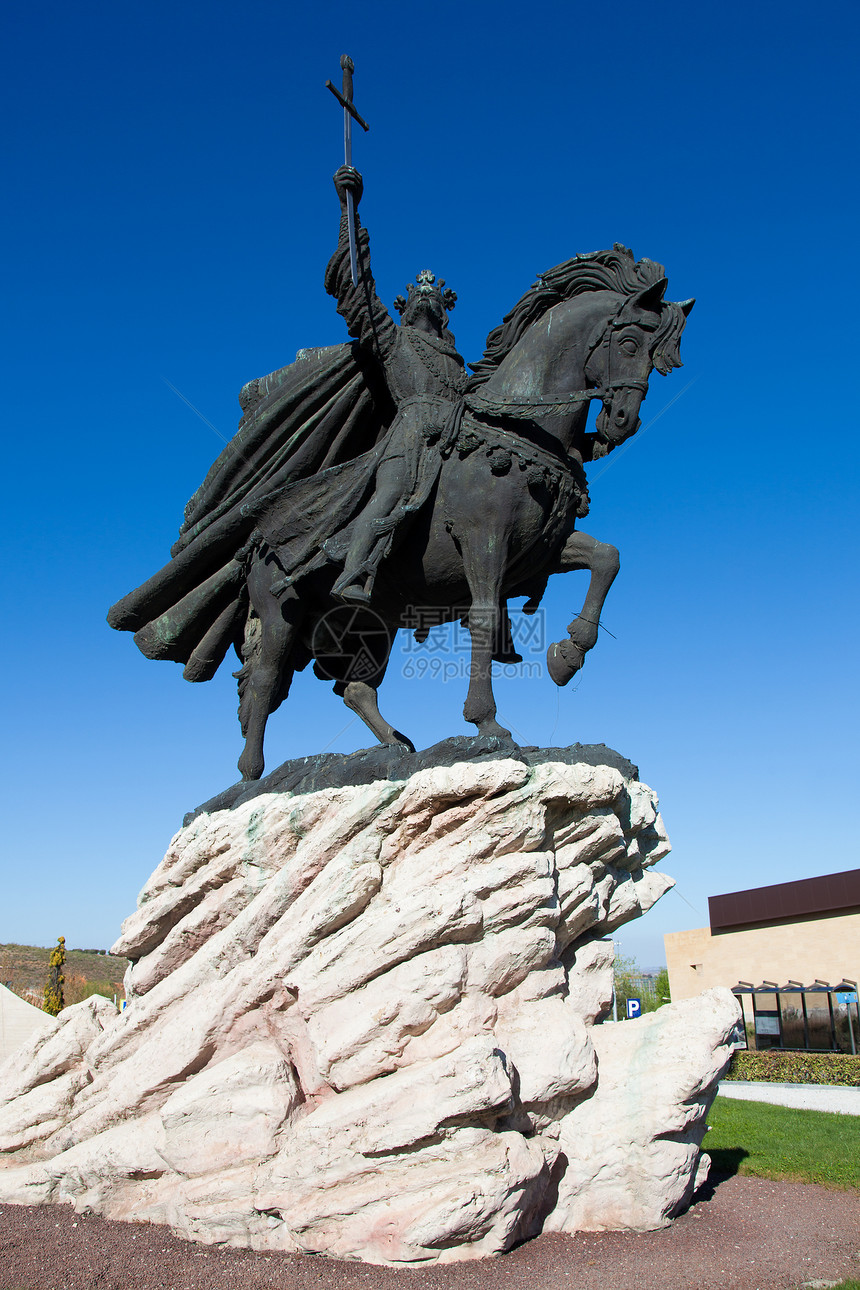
(352, 594)
(347, 590)
(348, 587)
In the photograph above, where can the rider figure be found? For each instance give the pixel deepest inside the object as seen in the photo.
(425, 377)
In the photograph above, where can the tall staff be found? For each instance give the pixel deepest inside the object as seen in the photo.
(349, 115)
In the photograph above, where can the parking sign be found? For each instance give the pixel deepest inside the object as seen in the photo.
(634, 1007)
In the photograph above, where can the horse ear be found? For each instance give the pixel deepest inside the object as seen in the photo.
(648, 300)
(652, 297)
(686, 305)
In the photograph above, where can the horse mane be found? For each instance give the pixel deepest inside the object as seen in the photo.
(616, 270)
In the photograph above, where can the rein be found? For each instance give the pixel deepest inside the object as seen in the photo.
(525, 408)
(477, 402)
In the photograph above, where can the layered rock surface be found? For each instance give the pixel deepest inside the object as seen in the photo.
(361, 1020)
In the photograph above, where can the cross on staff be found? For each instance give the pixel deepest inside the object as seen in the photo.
(349, 115)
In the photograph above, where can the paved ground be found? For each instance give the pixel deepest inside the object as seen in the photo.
(742, 1234)
(805, 1097)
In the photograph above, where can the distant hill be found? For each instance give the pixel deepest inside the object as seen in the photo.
(24, 969)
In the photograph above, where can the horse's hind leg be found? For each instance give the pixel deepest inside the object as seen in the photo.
(360, 698)
(565, 658)
(264, 680)
(357, 664)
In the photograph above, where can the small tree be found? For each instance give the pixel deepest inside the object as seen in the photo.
(653, 992)
(626, 975)
(661, 988)
(53, 1001)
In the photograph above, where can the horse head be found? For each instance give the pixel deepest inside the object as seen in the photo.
(593, 327)
(644, 333)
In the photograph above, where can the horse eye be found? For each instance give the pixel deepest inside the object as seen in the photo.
(629, 345)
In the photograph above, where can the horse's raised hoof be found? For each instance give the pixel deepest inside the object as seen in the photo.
(563, 661)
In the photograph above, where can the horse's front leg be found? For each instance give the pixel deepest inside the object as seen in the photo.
(565, 658)
(484, 574)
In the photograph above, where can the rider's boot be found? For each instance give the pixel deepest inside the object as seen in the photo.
(355, 584)
(350, 591)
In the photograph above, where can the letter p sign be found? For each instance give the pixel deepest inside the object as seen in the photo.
(634, 1007)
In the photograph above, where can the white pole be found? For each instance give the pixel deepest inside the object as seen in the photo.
(614, 1000)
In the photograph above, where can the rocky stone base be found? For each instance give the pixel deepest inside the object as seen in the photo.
(362, 1020)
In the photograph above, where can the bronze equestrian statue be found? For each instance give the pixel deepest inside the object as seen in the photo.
(369, 478)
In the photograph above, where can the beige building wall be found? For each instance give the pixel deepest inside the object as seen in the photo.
(826, 948)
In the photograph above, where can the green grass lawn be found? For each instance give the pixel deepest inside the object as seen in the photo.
(765, 1141)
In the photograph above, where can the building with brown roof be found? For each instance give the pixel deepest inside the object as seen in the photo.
(782, 947)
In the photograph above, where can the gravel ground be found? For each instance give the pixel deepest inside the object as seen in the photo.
(805, 1097)
(742, 1234)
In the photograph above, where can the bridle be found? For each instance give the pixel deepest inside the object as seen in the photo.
(605, 342)
(477, 402)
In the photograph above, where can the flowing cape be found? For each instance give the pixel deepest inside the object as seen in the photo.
(323, 411)
(310, 521)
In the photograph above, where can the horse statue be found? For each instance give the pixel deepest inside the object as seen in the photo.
(371, 478)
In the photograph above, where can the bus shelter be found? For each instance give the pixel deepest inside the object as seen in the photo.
(817, 1018)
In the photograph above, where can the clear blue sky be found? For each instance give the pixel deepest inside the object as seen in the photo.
(168, 218)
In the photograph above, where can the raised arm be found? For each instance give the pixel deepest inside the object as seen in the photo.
(367, 319)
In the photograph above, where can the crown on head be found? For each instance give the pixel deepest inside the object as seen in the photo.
(426, 285)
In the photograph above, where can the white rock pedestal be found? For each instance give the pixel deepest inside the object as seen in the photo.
(362, 1020)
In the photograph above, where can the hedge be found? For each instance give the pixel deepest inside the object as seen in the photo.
(796, 1067)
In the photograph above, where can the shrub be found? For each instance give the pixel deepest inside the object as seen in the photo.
(53, 997)
(796, 1068)
(78, 988)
